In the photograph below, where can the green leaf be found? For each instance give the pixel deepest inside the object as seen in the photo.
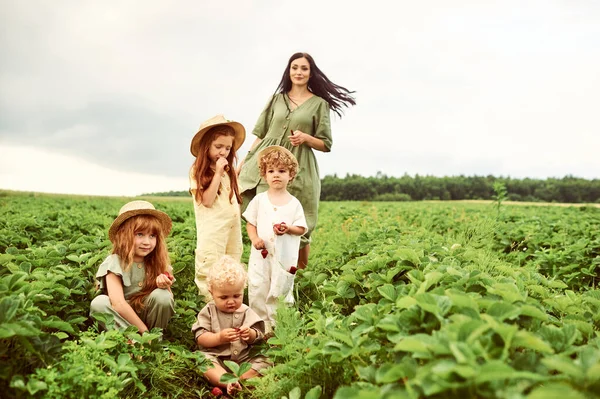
(244, 367)
(564, 365)
(389, 373)
(555, 390)
(34, 386)
(226, 378)
(411, 344)
(388, 291)
(314, 393)
(295, 393)
(59, 325)
(532, 311)
(8, 309)
(357, 393)
(503, 310)
(233, 366)
(525, 339)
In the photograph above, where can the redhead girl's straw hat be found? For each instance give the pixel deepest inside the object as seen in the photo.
(135, 208)
(277, 148)
(238, 140)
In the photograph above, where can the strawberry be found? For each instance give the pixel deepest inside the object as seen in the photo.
(264, 253)
(280, 226)
(169, 275)
(293, 270)
(216, 391)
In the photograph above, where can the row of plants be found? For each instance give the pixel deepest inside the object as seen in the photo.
(401, 300)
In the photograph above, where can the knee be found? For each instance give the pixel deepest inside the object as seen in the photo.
(100, 304)
(161, 298)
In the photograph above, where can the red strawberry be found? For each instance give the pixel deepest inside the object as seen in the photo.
(293, 270)
(169, 275)
(264, 253)
(282, 226)
(216, 391)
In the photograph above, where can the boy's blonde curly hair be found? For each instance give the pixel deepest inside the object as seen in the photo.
(278, 158)
(226, 271)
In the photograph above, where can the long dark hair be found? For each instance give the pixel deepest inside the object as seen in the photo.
(336, 96)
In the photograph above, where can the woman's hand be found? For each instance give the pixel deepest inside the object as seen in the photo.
(229, 335)
(164, 281)
(298, 137)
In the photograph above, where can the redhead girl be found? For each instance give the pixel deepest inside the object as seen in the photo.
(214, 188)
(297, 118)
(135, 281)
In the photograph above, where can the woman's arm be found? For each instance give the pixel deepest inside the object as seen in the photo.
(114, 286)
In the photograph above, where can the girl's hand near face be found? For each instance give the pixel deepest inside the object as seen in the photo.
(229, 335)
(221, 166)
(298, 137)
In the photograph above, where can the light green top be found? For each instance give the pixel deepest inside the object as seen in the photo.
(311, 117)
(133, 277)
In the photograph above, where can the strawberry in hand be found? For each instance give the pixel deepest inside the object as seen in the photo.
(264, 253)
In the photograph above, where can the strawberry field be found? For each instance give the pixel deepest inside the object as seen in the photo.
(400, 300)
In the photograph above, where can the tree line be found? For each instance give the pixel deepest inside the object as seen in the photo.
(408, 188)
(381, 187)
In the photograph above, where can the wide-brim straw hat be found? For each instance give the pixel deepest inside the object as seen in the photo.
(276, 148)
(238, 140)
(135, 208)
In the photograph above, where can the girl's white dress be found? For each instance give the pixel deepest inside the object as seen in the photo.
(269, 277)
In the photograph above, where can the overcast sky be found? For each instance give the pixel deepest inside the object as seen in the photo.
(103, 97)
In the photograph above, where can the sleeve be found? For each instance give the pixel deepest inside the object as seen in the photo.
(203, 323)
(112, 264)
(322, 125)
(256, 323)
(264, 120)
(299, 218)
(251, 213)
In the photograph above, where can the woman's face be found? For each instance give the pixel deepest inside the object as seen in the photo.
(300, 71)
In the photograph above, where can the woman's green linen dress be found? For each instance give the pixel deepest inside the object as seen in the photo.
(311, 117)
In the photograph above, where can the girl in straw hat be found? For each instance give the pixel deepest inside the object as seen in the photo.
(297, 118)
(275, 222)
(135, 281)
(213, 185)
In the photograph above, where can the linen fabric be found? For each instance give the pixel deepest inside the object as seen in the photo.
(159, 305)
(311, 117)
(211, 319)
(218, 231)
(269, 278)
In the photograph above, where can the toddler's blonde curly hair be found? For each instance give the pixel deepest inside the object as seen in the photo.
(276, 159)
(226, 271)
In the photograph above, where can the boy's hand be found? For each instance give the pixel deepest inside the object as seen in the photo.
(258, 243)
(280, 228)
(229, 335)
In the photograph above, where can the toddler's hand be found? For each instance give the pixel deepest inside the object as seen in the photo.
(280, 228)
(229, 335)
(245, 333)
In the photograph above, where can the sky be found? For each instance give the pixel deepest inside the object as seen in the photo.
(104, 97)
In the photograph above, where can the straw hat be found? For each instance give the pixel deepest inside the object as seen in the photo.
(238, 140)
(135, 208)
(277, 148)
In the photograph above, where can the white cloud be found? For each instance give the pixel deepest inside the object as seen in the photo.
(29, 169)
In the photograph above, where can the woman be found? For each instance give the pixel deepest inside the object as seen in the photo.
(297, 118)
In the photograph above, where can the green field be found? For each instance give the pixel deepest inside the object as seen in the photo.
(400, 300)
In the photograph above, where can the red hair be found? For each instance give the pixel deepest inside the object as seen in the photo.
(203, 173)
(155, 263)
